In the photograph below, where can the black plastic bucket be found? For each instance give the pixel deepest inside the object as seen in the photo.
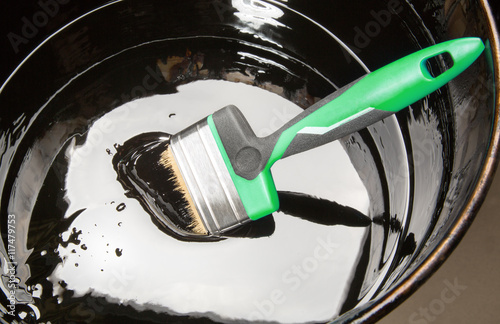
(67, 64)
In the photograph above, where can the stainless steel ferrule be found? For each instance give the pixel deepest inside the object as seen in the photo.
(207, 179)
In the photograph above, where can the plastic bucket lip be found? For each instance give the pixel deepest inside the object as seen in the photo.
(435, 259)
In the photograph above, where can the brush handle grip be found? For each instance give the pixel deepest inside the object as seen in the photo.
(374, 97)
(353, 107)
(249, 158)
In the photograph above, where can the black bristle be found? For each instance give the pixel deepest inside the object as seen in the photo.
(144, 178)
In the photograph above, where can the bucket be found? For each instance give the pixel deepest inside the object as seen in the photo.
(81, 78)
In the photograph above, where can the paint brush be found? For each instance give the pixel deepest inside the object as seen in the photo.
(220, 171)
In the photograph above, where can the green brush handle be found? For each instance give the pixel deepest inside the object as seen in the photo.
(382, 92)
(356, 106)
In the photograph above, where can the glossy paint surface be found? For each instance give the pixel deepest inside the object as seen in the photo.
(419, 168)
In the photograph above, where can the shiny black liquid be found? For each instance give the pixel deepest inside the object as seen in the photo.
(143, 49)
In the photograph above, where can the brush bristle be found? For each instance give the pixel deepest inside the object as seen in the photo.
(167, 160)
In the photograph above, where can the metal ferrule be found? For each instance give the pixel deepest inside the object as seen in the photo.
(207, 179)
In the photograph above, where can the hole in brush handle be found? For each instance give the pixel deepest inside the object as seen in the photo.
(437, 65)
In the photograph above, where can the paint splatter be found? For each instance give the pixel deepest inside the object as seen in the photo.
(121, 207)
